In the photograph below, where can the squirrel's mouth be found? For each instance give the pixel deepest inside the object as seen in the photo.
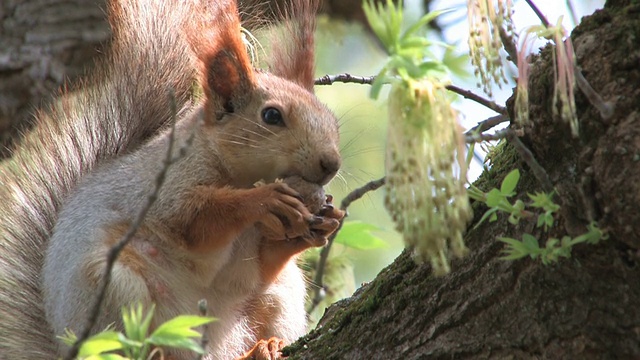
(288, 174)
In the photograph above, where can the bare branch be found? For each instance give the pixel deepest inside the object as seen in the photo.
(114, 251)
(527, 156)
(487, 124)
(348, 78)
(502, 134)
(477, 98)
(539, 13)
(509, 46)
(204, 340)
(324, 253)
(606, 108)
(344, 78)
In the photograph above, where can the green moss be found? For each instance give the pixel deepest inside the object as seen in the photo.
(503, 158)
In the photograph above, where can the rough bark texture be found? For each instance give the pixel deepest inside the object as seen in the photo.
(585, 307)
(42, 43)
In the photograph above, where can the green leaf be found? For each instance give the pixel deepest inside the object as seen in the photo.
(144, 325)
(69, 337)
(182, 326)
(176, 341)
(544, 201)
(426, 19)
(457, 63)
(490, 214)
(377, 83)
(106, 357)
(357, 235)
(494, 198)
(100, 343)
(530, 244)
(510, 182)
(515, 249)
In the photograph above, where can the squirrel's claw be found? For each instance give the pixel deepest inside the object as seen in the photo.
(265, 350)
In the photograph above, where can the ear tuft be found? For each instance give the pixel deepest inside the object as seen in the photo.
(226, 74)
(292, 55)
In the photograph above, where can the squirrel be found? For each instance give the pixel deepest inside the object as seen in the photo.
(75, 184)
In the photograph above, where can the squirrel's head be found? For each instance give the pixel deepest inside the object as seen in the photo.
(268, 125)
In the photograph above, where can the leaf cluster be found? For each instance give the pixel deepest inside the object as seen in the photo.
(498, 200)
(410, 55)
(135, 343)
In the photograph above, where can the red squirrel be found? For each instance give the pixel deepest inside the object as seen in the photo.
(77, 182)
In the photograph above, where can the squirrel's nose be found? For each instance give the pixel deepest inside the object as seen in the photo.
(329, 165)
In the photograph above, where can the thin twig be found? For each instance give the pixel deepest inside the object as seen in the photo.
(526, 155)
(539, 13)
(204, 340)
(324, 253)
(509, 46)
(606, 108)
(487, 124)
(477, 98)
(360, 192)
(114, 251)
(501, 134)
(344, 78)
(348, 78)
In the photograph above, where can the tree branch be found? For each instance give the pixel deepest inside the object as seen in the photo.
(527, 156)
(539, 13)
(204, 340)
(487, 124)
(606, 108)
(344, 78)
(348, 78)
(501, 134)
(324, 253)
(477, 98)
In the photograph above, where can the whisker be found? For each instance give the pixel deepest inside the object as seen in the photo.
(371, 149)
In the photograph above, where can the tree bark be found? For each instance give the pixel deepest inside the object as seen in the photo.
(42, 44)
(585, 307)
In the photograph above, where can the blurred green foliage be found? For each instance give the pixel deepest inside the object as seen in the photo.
(348, 48)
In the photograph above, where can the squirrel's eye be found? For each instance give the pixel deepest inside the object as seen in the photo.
(272, 116)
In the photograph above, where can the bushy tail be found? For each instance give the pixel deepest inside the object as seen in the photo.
(109, 113)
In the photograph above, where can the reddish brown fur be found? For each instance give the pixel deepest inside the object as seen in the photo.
(129, 256)
(221, 214)
(275, 255)
(226, 70)
(293, 54)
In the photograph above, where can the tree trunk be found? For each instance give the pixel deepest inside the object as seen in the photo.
(42, 44)
(580, 308)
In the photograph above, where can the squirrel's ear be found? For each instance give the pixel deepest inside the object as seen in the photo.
(227, 76)
(292, 55)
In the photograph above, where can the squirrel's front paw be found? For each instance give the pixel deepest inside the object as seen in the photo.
(265, 350)
(325, 223)
(284, 214)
